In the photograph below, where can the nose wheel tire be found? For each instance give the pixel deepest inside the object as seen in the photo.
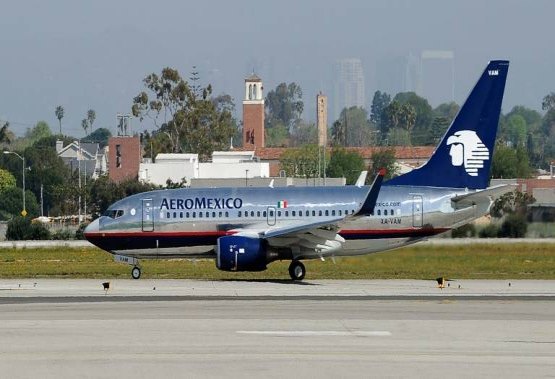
(136, 273)
(297, 271)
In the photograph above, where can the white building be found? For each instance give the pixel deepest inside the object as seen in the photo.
(224, 165)
(87, 157)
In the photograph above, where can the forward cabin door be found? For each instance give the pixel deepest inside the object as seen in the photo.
(148, 216)
(417, 211)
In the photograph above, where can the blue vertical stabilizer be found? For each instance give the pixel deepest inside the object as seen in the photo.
(463, 157)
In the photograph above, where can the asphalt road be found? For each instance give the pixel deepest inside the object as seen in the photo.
(255, 334)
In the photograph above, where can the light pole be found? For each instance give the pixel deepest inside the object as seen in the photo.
(246, 178)
(24, 211)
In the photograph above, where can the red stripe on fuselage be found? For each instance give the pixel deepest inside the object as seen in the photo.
(348, 232)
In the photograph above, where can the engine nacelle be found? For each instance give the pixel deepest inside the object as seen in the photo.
(237, 253)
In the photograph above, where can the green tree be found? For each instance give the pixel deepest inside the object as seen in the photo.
(338, 137)
(384, 158)
(276, 136)
(424, 116)
(378, 116)
(548, 102)
(21, 228)
(447, 111)
(59, 112)
(284, 105)
(188, 116)
(438, 129)
(510, 203)
(301, 162)
(11, 203)
(6, 135)
(304, 133)
(398, 137)
(407, 117)
(7, 180)
(515, 130)
(100, 136)
(392, 115)
(345, 164)
(39, 131)
(353, 129)
(504, 163)
(47, 170)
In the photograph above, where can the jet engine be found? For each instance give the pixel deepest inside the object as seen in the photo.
(238, 253)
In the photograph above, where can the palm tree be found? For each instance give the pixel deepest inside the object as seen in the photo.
(59, 115)
(91, 116)
(85, 125)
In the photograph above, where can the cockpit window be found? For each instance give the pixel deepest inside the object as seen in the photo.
(113, 213)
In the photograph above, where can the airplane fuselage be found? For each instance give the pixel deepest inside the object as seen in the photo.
(188, 222)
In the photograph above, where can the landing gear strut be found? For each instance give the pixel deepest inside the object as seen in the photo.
(136, 272)
(297, 271)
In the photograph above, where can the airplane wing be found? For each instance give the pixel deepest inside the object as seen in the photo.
(314, 237)
(487, 195)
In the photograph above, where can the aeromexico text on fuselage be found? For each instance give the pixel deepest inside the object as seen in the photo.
(202, 203)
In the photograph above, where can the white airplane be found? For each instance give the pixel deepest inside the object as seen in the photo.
(244, 229)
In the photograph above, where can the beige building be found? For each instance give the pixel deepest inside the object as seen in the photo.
(322, 119)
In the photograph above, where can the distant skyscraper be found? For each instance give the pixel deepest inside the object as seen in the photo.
(322, 118)
(398, 74)
(438, 76)
(349, 85)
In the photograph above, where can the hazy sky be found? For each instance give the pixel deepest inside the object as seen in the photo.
(94, 54)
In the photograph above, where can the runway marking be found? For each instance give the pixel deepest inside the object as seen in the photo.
(316, 333)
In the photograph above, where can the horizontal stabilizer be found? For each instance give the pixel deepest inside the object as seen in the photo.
(487, 195)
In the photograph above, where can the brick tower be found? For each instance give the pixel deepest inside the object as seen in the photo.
(253, 113)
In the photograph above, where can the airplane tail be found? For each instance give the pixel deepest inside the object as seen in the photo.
(463, 157)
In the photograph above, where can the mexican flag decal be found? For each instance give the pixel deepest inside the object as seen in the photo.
(282, 204)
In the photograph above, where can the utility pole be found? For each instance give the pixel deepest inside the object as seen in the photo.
(41, 201)
(24, 210)
(79, 180)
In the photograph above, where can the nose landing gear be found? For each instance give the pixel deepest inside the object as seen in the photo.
(297, 271)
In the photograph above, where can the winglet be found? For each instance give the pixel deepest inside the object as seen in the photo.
(372, 196)
(361, 179)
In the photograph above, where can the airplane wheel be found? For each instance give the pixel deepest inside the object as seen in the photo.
(136, 273)
(297, 271)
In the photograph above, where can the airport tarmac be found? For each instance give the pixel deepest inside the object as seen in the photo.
(186, 328)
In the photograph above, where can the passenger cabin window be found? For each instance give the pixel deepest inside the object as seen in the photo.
(327, 212)
(313, 213)
(385, 212)
(333, 212)
(226, 214)
(271, 213)
(320, 213)
(239, 214)
(379, 212)
(307, 213)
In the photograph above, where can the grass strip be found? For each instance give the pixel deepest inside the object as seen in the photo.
(468, 261)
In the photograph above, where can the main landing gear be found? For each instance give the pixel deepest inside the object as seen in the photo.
(297, 271)
(136, 272)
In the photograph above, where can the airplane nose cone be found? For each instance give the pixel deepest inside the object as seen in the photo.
(91, 229)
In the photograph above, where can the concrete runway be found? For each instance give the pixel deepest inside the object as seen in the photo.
(63, 328)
